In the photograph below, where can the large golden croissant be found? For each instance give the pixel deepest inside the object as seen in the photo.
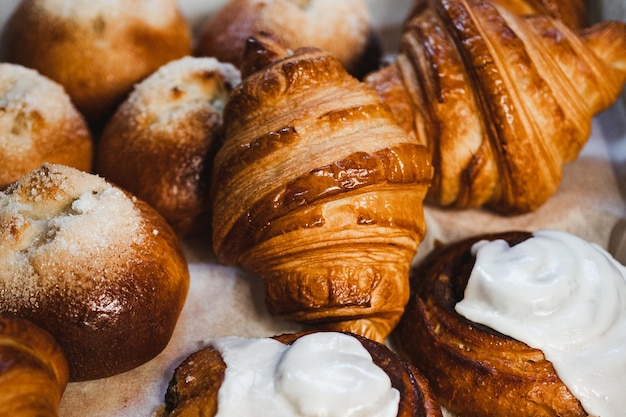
(501, 100)
(317, 190)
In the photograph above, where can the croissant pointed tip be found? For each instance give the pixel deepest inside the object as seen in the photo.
(260, 51)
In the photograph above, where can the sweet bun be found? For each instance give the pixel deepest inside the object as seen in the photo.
(160, 142)
(197, 380)
(473, 369)
(100, 270)
(343, 28)
(38, 123)
(96, 50)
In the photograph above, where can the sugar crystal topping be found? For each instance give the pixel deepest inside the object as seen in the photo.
(63, 232)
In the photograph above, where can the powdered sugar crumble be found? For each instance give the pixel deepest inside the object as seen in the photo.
(62, 231)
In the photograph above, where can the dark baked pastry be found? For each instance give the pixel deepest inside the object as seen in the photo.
(474, 370)
(194, 387)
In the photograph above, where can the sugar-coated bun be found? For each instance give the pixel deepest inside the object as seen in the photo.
(160, 143)
(341, 27)
(38, 123)
(100, 270)
(96, 49)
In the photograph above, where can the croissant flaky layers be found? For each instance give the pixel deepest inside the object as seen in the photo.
(501, 100)
(318, 191)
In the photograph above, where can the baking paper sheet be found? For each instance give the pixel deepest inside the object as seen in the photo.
(228, 301)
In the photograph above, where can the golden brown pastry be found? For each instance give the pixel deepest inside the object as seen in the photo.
(571, 12)
(98, 269)
(96, 50)
(38, 123)
(344, 28)
(318, 191)
(160, 143)
(33, 370)
(194, 387)
(501, 100)
(474, 370)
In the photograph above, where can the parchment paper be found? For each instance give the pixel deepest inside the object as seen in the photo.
(227, 301)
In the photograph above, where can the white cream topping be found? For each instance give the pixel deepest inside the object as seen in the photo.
(323, 374)
(564, 296)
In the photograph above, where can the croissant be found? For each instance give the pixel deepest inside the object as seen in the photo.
(33, 370)
(318, 191)
(194, 387)
(502, 101)
(571, 12)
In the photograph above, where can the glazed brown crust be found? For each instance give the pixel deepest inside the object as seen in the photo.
(502, 101)
(193, 389)
(99, 59)
(318, 191)
(111, 299)
(474, 370)
(33, 370)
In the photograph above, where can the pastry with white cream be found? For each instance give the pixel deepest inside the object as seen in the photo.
(530, 324)
(331, 374)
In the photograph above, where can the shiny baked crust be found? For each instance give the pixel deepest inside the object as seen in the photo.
(318, 191)
(343, 28)
(96, 50)
(33, 370)
(502, 101)
(474, 370)
(38, 123)
(194, 387)
(160, 143)
(98, 269)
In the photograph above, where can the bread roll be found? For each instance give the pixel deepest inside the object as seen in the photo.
(343, 28)
(96, 49)
(160, 143)
(38, 123)
(99, 270)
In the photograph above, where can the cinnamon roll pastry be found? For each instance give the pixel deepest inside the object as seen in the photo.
(519, 323)
(343, 28)
(501, 100)
(349, 374)
(318, 191)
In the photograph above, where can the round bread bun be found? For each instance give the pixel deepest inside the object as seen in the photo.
(38, 123)
(196, 382)
(160, 143)
(343, 28)
(96, 49)
(98, 269)
(474, 370)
